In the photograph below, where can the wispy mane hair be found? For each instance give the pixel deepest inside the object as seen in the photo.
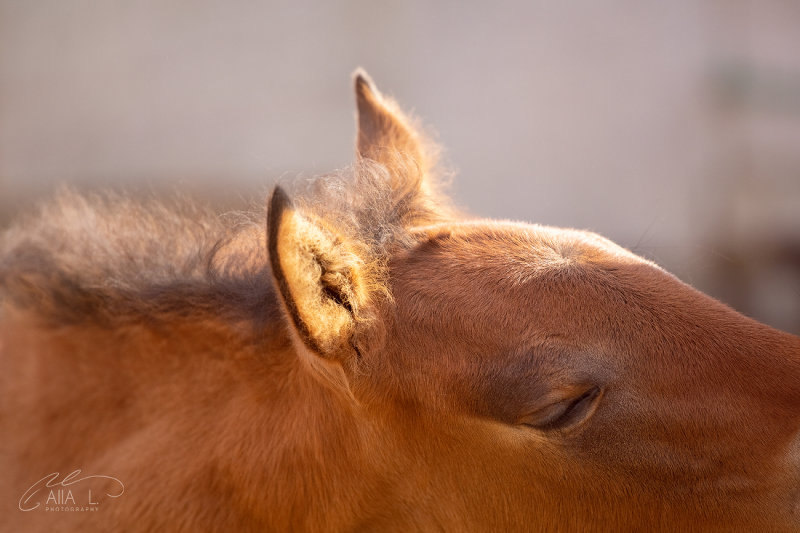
(109, 257)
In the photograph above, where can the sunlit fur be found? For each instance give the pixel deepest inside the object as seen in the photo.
(374, 361)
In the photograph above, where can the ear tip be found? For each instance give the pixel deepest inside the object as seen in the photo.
(279, 196)
(278, 202)
(363, 83)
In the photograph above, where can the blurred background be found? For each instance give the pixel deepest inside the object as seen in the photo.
(672, 128)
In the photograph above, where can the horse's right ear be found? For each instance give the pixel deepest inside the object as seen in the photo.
(319, 277)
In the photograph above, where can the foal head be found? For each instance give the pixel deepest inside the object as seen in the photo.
(527, 375)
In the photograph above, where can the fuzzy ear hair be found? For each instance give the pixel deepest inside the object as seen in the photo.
(319, 278)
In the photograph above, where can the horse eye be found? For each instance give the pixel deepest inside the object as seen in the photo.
(566, 413)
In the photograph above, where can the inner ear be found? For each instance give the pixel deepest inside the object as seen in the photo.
(319, 280)
(564, 408)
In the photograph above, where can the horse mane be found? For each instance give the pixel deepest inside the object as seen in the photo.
(109, 258)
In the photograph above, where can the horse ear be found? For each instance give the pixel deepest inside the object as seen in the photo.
(319, 278)
(383, 130)
(387, 136)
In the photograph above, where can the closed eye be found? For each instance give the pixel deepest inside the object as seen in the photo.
(566, 413)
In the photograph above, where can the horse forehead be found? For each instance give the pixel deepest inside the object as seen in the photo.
(509, 275)
(511, 253)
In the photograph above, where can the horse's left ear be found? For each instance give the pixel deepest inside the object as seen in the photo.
(319, 278)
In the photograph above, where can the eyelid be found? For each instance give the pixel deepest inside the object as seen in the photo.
(564, 408)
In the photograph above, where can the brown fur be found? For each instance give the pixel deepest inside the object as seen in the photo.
(372, 361)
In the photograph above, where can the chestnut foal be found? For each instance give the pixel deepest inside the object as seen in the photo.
(368, 359)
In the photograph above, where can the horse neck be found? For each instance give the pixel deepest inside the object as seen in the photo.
(307, 450)
(237, 391)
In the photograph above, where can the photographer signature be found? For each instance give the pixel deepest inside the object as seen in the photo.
(51, 480)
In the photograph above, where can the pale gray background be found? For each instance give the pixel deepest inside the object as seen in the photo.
(670, 127)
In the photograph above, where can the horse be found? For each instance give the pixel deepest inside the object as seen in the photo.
(359, 355)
